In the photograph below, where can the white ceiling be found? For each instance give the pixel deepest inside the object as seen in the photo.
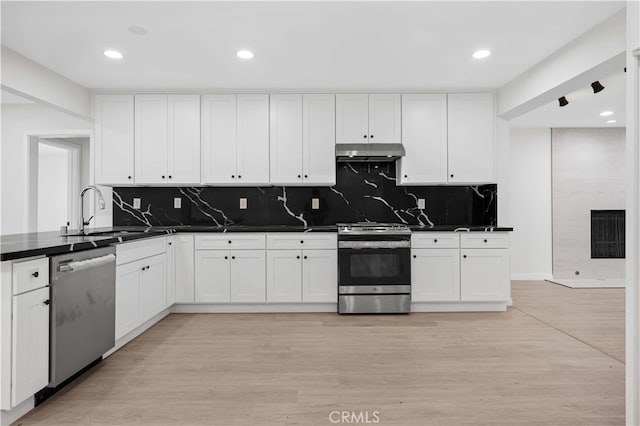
(584, 107)
(297, 45)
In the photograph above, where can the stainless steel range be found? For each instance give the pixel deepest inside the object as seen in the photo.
(374, 268)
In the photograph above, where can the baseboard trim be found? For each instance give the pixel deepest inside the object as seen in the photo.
(247, 308)
(458, 306)
(532, 276)
(9, 416)
(138, 331)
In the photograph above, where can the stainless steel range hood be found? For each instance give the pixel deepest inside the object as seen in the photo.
(369, 152)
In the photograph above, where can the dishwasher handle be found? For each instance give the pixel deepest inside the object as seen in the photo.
(87, 263)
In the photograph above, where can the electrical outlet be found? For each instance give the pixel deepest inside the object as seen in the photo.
(315, 203)
(136, 203)
(177, 203)
(243, 203)
(421, 203)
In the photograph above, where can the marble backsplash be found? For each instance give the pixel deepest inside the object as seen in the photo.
(363, 192)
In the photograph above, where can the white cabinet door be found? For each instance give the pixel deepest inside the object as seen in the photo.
(114, 139)
(253, 140)
(352, 118)
(30, 346)
(286, 138)
(248, 276)
(212, 276)
(153, 286)
(424, 137)
(384, 118)
(318, 139)
(435, 275)
(471, 124)
(219, 139)
(284, 276)
(183, 139)
(171, 270)
(127, 297)
(151, 139)
(184, 267)
(484, 275)
(320, 276)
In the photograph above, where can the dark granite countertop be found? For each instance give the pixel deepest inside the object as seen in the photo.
(18, 246)
(459, 228)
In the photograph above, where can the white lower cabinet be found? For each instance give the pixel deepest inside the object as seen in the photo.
(184, 268)
(284, 276)
(435, 275)
(30, 346)
(302, 276)
(230, 268)
(484, 275)
(141, 284)
(24, 330)
(448, 267)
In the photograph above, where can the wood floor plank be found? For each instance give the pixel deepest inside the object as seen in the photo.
(505, 368)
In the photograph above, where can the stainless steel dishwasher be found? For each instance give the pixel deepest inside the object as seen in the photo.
(83, 290)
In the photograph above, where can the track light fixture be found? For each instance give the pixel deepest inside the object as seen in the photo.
(597, 87)
(563, 101)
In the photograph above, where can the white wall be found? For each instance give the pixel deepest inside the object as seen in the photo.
(530, 202)
(18, 120)
(588, 174)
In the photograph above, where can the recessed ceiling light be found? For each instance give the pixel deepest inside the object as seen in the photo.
(113, 54)
(244, 54)
(606, 113)
(481, 54)
(611, 121)
(135, 29)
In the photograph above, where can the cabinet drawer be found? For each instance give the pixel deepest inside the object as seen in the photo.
(243, 241)
(128, 252)
(301, 240)
(435, 240)
(30, 274)
(484, 240)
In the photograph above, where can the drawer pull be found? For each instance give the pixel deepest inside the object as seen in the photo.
(36, 274)
(233, 257)
(305, 257)
(226, 257)
(301, 241)
(297, 257)
(485, 241)
(465, 256)
(414, 256)
(435, 240)
(229, 241)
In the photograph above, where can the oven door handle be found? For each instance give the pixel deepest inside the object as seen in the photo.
(374, 244)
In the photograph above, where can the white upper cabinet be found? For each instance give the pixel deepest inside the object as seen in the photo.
(151, 139)
(253, 140)
(384, 118)
(352, 118)
(368, 118)
(183, 139)
(219, 138)
(235, 139)
(424, 137)
(114, 139)
(286, 138)
(471, 131)
(302, 130)
(167, 139)
(319, 139)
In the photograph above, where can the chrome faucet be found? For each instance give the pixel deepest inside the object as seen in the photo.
(101, 203)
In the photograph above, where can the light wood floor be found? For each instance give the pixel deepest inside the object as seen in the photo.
(552, 359)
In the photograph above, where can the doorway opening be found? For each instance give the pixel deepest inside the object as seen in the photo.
(58, 168)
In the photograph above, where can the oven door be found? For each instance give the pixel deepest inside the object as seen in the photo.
(371, 267)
